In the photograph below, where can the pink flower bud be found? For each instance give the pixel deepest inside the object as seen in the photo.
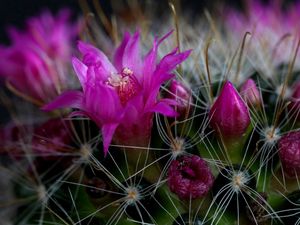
(229, 114)
(190, 177)
(250, 93)
(289, 153)
(182, 95)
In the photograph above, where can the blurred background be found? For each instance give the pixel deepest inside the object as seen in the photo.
(14, 12)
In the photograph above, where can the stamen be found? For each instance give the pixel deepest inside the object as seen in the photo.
(125, 84)
(126, 71)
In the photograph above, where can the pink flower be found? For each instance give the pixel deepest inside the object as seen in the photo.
(250, 93)
(289, 153)
(121, 97)
(190, 177)
(229, 115)
(36, 62)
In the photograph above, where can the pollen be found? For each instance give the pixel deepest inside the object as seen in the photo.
(127, 71)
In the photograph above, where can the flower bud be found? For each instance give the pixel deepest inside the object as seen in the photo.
(250, 93)
(289, 153)
(182, 95)
(190, 177)
(229, 115)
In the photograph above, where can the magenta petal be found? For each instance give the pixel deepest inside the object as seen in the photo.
(133, 109)
(71, 99)
(132, 56)
(149, 66)
(118, 57)
(156, 83)
(170, 61)
(106, 110)
(150, 62)
(108, 131)
(164, 108)
(80, 70)
(165, 37)
(92, 56)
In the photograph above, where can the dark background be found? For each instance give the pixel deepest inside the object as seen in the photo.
(14, 12)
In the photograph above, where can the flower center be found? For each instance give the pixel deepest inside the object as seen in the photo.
(125, 84)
